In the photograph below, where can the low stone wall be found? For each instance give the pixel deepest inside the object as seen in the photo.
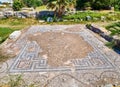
(102, 34)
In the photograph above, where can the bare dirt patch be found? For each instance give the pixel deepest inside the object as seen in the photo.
(76, 28)
(60, 47)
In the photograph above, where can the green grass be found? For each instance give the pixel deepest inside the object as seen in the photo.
(95, 16)
(4, 33)
(8, 25)
(18, 21)
(114, 28)
(82, 15)
(110, 44)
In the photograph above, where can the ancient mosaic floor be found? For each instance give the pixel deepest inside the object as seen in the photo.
(100, 65)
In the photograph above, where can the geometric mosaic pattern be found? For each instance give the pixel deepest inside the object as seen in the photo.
(29, 61)
(99, 67)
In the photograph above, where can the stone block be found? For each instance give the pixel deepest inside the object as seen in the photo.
(15, 35)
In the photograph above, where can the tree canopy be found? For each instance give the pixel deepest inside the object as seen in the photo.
(117, 4)
(18, 4)
(98, 4)
(32, 3)
(60, 5)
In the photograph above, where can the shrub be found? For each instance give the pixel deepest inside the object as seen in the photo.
(17, 5)
(83, 15)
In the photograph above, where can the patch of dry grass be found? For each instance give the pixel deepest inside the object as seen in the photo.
(41, 8)
(3, 56)
(18, 22)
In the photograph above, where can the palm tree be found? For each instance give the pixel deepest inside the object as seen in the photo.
(59, 6)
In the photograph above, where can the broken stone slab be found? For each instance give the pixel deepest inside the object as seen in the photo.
(88, 18)
(15, 35)
(49, 19)
(41, 21)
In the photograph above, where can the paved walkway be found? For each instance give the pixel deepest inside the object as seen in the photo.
(102, 65)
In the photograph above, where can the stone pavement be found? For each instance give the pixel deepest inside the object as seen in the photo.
(100, 66)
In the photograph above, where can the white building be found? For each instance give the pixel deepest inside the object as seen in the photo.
(7, 1)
